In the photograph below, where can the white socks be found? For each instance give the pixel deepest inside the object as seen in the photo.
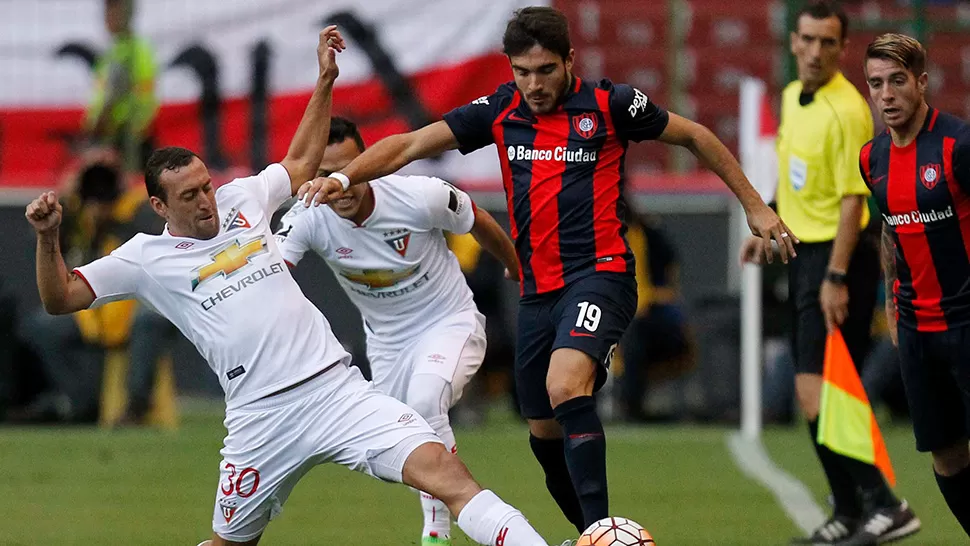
(437, 517)
(491, 522)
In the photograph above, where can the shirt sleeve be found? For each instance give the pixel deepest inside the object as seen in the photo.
(295, 235)
(115, 276)
(855, 130)
(961, 160)
(271, 187)
(472, 123)
(449, 208)
(634, 116)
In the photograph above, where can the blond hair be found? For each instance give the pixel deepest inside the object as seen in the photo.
(901, 49)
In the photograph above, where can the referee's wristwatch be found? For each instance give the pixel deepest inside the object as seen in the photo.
(836, 277)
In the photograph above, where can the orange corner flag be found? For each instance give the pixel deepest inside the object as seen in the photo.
(846, 423)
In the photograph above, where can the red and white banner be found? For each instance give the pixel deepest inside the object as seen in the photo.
(408, 62)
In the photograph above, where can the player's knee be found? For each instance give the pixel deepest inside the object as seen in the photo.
(952, 460)
(563, 388)
(423, 403)
(428, 395)
(572, 373)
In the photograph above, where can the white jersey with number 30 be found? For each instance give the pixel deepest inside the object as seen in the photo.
(231, 295)
(396, 266)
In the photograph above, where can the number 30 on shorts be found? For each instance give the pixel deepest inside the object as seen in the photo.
(242, 484)
(589, 316)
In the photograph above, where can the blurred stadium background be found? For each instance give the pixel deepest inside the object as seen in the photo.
(232, 79)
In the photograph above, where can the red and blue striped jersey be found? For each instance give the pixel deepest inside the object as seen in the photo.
(923, 192)
(563, 174)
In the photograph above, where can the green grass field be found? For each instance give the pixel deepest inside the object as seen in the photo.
(94, 487)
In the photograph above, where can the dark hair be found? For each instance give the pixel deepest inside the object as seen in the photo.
(341, 129)
(99, 182)
(824, 10)
(901, 49)
(171, 158)
(546, 27)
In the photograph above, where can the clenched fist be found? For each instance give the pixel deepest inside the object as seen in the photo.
(45, 213)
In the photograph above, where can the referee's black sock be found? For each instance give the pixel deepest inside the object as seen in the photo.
(873, 489)
(956, 491)
(840, 481)
(551, 455)
(585, 455)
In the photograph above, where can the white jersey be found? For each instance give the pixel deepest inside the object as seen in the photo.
(231, 295)
(395, 267)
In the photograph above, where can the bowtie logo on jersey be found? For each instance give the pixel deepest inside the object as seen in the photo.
(229, 259)
(929, 175)
(398, 240)
(235, 219)
(585, 125)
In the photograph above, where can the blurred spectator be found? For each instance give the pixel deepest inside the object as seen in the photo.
(123, 106)
(657, 345)
(98, 216)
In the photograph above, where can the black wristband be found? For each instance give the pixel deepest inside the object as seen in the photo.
(836, 277)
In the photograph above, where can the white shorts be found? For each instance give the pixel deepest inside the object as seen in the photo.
(337, 417)
(452, 349)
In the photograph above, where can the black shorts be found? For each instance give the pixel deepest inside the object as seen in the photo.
(805, 275)
(936, 374)
(589, 314)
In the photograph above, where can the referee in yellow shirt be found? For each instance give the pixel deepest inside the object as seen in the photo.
(821, 196)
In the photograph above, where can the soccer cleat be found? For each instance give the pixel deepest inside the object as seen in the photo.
(569, 542)
(833, 531)
(435, 540)
(886, 525)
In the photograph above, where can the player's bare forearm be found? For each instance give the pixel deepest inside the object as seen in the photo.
(494, 240)
(391, 154)
(52, 276)
(714, 155)
(309, 142)
(887, 255)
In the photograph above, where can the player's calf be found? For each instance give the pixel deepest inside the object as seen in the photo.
(431, 395)
(481, 514)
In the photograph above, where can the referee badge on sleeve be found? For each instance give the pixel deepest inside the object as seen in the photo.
(797, 171)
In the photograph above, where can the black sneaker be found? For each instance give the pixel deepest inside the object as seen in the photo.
(833, 531)
(886, 525)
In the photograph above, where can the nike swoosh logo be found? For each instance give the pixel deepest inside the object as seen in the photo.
(516, 117)
(878, 179)
(574, 333)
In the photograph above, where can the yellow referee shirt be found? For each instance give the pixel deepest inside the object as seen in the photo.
(818, 157)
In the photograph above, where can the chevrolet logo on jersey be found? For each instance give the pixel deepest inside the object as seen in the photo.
(229, 259)
(378, 278)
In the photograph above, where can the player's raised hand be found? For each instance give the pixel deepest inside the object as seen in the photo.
(320, 190)
(766, 224)
(331, 42)
(44, 213)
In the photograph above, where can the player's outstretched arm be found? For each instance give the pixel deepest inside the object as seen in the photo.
(385, 157)
(493, 239)
(60, 292)
(310, 140)
(714, 155)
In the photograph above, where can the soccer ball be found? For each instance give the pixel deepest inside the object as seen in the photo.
(615, 532)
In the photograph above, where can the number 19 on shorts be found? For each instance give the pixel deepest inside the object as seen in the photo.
(589, 316)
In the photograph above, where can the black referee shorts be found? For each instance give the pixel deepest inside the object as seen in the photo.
(936, 376)
(805, 275)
